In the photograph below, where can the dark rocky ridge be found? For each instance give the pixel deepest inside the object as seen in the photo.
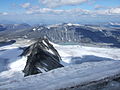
(41, 56)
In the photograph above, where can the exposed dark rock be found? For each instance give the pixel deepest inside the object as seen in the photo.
(42, 56)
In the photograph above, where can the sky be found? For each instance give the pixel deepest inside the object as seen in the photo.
(59, 11)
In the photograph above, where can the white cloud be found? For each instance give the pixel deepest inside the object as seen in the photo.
(98, 7)
(56, 3)
(73, 12)
(111, 11)
(43, 10)
(115, 11)
(3, 13)
(26, 5)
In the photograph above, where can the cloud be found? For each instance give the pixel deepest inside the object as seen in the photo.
(26, 5)
(99, 7)
(57, 3)
(110, 11)
(76, 11)
(114, 10)
(57, 11)
(3, 13)
(43, 10)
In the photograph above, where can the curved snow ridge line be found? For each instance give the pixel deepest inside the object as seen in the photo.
(66, 77)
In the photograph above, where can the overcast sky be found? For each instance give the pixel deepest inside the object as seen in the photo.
(59, 11)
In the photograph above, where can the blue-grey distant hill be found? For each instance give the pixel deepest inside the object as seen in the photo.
(64, 33)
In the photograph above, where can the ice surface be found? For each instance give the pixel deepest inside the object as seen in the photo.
(65, 77)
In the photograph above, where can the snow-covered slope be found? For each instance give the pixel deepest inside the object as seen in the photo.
(65, 77)
(82, 63)
(80, 54)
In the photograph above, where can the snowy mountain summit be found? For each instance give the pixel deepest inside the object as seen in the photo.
(42, 56)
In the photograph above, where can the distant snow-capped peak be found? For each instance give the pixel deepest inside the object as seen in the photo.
(54, 25)
(34, 29)
(70, 24)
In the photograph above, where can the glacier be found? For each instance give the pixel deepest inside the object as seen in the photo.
(83, 64)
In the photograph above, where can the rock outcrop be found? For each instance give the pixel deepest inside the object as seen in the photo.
(41, 56)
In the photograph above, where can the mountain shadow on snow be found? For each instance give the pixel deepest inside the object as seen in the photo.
(4, 43)
(41, 57)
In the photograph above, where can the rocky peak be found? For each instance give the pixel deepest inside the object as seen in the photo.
(41, 56)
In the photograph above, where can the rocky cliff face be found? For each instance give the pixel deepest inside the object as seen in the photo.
(41, 56)
(77, 34)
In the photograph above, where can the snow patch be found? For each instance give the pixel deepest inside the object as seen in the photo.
(34, 29)
(18, 65)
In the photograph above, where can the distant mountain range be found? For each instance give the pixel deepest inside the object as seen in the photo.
(14, 26)
(64, 33)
